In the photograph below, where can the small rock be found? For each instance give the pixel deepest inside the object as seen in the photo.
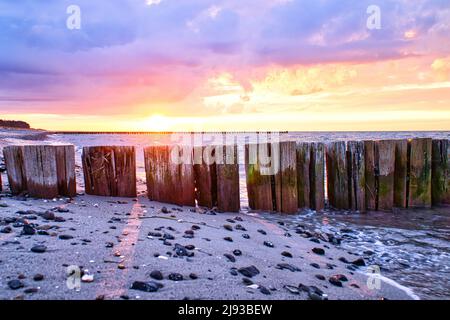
(157, 275)
(175, 277)
(228, 227)
(264, 290)
(31, 290)
(288, 266)
(48, 215)
(268, 244)
(250, 271)
(28, 230)
(38, 277)
(286, 254)
(335, 281)
(320, 277)
(229, 239)
(230, 257)
(318, 251)
(237, 252)
(6, 230)
(88, 278)
(65, 237)
(39, 249)
(246, 236)
(262, 232)
(315, 265)
(359, 262)
(165, 210)
(247, 281)
(150, 286)
(15, 284)
(193, 276)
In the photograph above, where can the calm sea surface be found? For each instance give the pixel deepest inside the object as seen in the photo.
(412, 247)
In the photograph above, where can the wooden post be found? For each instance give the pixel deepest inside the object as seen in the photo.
(440, 172)
(337, 175)
(317, 176)
(371, 173)
(419, 173)
(170, 181)
(357, 181)
(15, 169)
(110, 171)
(259, 184)
(205, 177)
(385, 153)
(288, 177)
(65, 167)
(303, 178)
(44, 171)
(228, 197)
(401, 174)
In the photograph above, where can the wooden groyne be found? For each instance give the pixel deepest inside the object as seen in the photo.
(41, 171)
(109, 171)
(281, 177)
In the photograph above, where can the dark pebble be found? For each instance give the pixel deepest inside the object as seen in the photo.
(15, 284)
(237, 252)
(264, 290)
(38, 277)
(229, 239)
(318, 251)
(230, 257)
(359, 262)
(262, 231)
(286, 254)
(315, 265)
(287, 266)
(320, 277)
(150, 286)
(175, 277)
(247, 281)
(28, 230)
(65, 237)
(157, 275)
(268, 244)
(39, 249)
(246, 236)
(250, 271)
(228, 227)
(193, 276)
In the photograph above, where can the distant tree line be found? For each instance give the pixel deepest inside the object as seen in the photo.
(14, 124)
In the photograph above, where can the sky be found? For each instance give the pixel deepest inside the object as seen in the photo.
(218, 65)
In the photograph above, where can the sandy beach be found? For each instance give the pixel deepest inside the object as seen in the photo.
(175, 252)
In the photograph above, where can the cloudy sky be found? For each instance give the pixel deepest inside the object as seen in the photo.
(226, 65)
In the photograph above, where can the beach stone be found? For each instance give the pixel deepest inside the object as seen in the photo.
(318, 251)
(246, 236)
(320, 277)
(247, 281)
(228, 227)
(262, 232)
(6, 230)
(237, 252)
(168, 236)
(193, 276)
(190, 247)
(157, 275)
(60, 219)
(315, 265)
(249, 272)
(181, 250)
(38, 277)
(230, 257)
(155, 234)
(15, 284)
(234, 272)
(48, 215)
(28, 230)
(264, 290)
(286, 254)
(359, 262)
(39, 249)
(195, 227)
(292, 289)
(175, 277)
(239, 227)
(150, 286)
(87, 278)
(344, 260)
(287, 266)
(31, 290)
(65, 237)
(268, 244)
(335, 281)
(229, 239)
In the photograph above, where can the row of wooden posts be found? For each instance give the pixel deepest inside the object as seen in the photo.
(360, 175)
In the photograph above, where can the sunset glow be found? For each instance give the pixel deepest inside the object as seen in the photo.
(161, 65)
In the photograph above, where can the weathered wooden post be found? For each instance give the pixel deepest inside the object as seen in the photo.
(44, 171)
(170, 177)
(15, 169)
(303, 178)
(385, 153)
(337, 175)
(401, 174)
(419, 173)
(317, 176)
(440, 173)
(110, 171)
(286, 185)
(371, 174)
(205, 176)
(228, 197)
(357, 181)
(259, 183)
